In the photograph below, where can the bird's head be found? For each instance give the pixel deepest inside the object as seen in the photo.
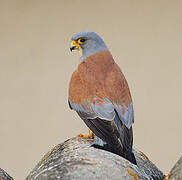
(88, 42)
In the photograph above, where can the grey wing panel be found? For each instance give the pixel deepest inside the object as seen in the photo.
(106, 111)
(126, 114)
(83, 110)
(87, 110)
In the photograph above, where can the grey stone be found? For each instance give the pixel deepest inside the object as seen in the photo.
(76, 160)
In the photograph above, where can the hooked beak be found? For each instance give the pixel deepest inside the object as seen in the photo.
(74, 46)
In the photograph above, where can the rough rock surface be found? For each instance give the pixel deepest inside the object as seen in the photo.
(4, 175)
(176, 171)
(76, 160)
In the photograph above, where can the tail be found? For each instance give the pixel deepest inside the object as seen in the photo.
(126, 138)
(131, 157)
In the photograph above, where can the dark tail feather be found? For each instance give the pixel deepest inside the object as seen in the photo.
(131, 157)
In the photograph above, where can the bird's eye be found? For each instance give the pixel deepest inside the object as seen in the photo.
(81, 41)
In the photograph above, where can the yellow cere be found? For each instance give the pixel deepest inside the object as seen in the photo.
(74, 43)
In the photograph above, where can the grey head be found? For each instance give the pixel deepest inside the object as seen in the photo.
(89, 42)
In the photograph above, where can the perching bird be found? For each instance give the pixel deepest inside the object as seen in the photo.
(99, 93)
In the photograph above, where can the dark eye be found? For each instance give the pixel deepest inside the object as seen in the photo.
(81, 40)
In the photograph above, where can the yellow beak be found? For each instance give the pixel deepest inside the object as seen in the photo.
(74, 46)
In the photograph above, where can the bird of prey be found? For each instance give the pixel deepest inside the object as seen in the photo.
(99, 93)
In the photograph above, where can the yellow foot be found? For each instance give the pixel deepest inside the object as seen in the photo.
(90, 136)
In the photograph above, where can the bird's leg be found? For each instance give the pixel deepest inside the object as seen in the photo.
(89, 136)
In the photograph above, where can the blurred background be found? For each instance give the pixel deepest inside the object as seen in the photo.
(145, 38)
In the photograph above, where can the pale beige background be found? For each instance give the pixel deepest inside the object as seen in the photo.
(144, 36)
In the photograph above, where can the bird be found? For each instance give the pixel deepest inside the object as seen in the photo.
(99, 93)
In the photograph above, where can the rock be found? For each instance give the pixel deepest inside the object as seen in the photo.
(176, 171)
(4, 175)
(75, 159)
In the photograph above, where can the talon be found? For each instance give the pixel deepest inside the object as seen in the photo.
(90, 136)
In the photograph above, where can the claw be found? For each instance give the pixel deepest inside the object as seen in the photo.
(89, 136)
